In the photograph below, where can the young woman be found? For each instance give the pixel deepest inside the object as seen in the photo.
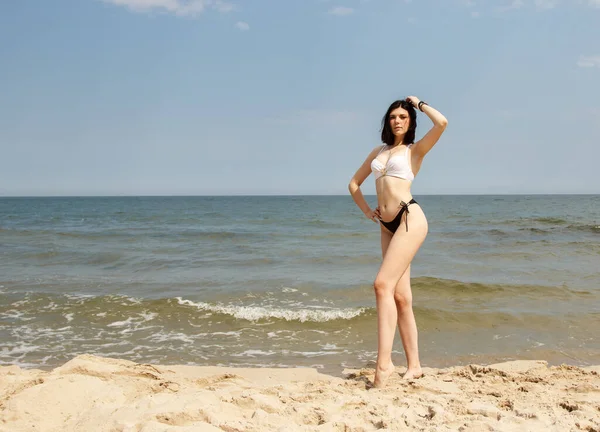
(403, 226)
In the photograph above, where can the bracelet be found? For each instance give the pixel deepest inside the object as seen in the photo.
(421, 103)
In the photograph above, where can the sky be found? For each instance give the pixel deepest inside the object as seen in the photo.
(211, 97)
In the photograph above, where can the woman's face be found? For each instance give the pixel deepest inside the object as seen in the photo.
(399, 121)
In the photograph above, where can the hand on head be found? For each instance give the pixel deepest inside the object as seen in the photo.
(413, 100)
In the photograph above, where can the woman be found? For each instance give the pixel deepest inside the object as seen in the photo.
(395, 165)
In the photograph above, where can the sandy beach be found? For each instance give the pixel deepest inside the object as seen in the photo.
(91, 393)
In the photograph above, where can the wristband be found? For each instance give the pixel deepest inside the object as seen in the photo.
(421, 103)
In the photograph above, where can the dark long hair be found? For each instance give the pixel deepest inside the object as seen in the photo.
(387, 136)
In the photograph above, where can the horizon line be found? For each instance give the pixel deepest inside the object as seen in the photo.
(284, 195)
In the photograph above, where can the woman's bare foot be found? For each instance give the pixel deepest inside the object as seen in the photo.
(382, 375)
(413, 373)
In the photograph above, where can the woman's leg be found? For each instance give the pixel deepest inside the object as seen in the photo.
(400, 251)
(407, 325)
(406, 318)
(381, 374)
(386, 237)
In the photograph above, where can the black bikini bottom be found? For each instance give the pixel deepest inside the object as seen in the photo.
(395, 223)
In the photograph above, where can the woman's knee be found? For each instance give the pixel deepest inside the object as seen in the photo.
(403, 300)
(382, 286)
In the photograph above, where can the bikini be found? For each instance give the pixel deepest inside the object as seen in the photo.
(396, 166)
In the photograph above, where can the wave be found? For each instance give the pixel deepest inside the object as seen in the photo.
(123, 310)
(256, 313)
(134, 234)
(508, 230)
(127, 234)
(547, 224)
(595, 229)
(289, 306)
(544, 220)
(127, 314)
(535, 230)
(437, 289)
(216, 235)
(343, 260)
(587, 228)
(432, 285)
(340, 235)
(549, 220)
(421, 285)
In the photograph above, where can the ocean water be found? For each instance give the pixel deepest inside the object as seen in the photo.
(287, 281)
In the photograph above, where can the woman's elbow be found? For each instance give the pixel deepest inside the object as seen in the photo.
(443, 122)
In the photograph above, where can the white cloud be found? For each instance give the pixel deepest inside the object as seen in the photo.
(178, 7)
(341, 10)
(223, 6)
(595, 3)
(514, 4)
(242, 25)
(589, 61)
(546, 4)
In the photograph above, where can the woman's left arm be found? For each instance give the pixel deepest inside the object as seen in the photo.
(440, 122)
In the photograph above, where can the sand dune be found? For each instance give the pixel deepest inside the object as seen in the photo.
(101, 394)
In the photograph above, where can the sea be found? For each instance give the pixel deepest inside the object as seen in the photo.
(287, 281)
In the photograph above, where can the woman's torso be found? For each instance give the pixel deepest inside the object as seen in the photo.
(394, 174)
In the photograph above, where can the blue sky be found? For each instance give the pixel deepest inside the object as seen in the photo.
(197, 97)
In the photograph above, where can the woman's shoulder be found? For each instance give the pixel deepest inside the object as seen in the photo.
(376, 151)
(379, 148)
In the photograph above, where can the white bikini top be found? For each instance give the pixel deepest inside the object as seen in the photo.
(396, 166)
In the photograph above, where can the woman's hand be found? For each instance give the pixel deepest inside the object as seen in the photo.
(413, 100)
(374, 215)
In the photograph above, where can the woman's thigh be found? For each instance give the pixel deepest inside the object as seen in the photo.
(386, 237)
(403, 246)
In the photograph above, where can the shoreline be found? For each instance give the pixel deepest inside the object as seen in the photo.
(91, 393)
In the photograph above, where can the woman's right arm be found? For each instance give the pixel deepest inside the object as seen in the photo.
(359, 177)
